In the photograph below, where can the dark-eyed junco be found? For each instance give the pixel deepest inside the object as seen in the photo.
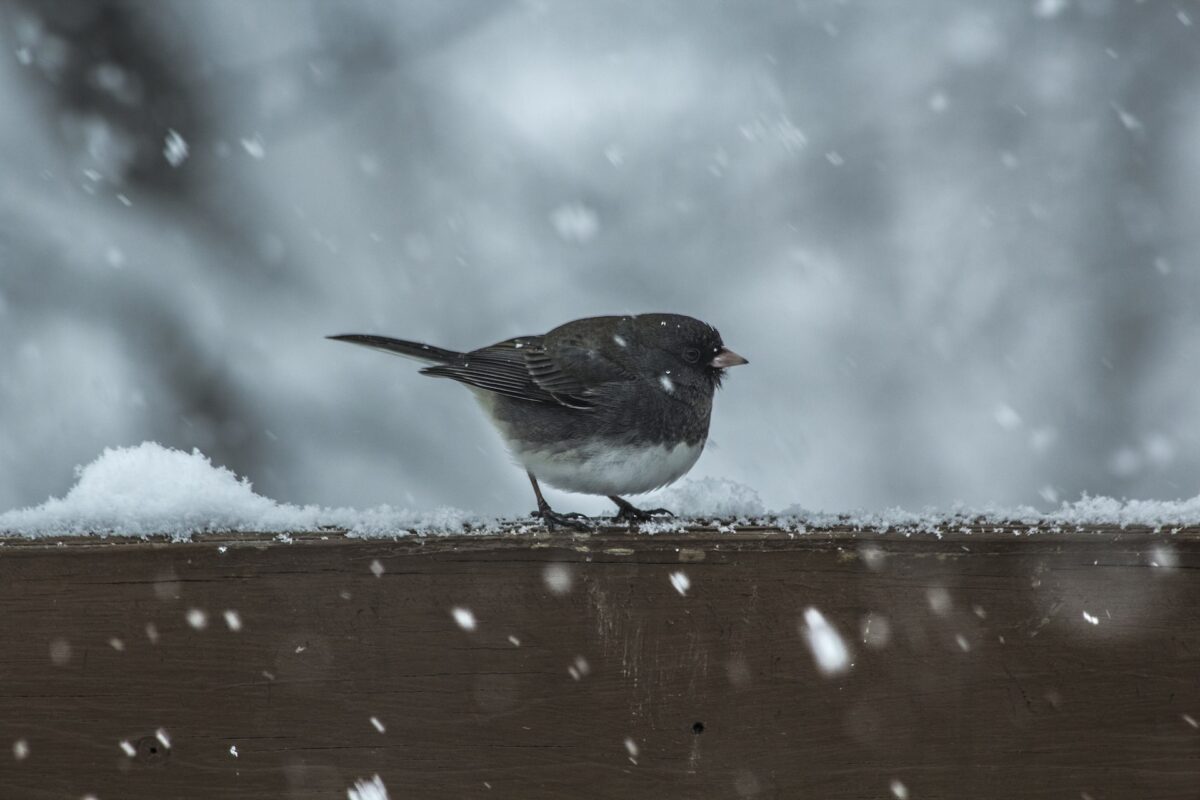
(602, 405)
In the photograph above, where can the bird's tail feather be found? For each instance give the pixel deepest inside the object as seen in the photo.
(415, 350)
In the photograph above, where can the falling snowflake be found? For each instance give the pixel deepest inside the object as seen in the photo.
(464, 618)
(368, 790)
(60, 652)
(580, 668)
(1007, 417)
(939, 601)
(175, 148)
(558, 578)
(826, 644)
(575, 223)
(254, 147)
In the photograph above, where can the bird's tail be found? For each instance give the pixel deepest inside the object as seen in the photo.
(415, 350)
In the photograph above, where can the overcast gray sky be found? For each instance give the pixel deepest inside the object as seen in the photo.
(956, 239)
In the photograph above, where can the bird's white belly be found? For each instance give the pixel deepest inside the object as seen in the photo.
(598, 469)
(595, 468)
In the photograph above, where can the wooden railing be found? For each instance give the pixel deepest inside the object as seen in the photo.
(984, 663)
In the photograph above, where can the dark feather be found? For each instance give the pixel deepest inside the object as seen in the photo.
(417, 350)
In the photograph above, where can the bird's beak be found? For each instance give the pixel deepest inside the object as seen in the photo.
(727, 358)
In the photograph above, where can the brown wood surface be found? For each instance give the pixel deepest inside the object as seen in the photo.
(991, 684)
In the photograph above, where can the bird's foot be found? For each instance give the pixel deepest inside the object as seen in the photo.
(630, 513)
(571, 519)
(641, 514)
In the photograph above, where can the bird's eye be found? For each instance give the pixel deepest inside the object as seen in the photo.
(691, 355)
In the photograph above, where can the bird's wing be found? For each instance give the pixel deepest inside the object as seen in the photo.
(530, 368)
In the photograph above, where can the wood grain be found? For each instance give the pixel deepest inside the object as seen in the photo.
(975, 673)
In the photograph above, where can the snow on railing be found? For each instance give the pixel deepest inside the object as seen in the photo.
(153, 490)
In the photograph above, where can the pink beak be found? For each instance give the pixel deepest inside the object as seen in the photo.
(727, 358)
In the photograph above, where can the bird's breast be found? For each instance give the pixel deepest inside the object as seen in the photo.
(599, 468)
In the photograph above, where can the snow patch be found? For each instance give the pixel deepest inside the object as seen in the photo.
(150, 489)
(711, 498)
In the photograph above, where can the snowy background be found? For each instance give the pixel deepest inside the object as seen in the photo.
(957, 239)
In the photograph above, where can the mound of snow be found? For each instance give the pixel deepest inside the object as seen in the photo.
(709, 498)
(151, 489)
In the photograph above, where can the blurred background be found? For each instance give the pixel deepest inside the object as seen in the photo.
(957, 239)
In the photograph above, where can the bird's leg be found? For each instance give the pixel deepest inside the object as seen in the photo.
(631, 513)
(551, 517)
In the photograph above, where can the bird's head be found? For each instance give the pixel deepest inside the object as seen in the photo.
(683, 351)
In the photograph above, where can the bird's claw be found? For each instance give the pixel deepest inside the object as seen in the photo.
(632, 514)
(570, 519)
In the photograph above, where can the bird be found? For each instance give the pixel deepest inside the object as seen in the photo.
(609, 405)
